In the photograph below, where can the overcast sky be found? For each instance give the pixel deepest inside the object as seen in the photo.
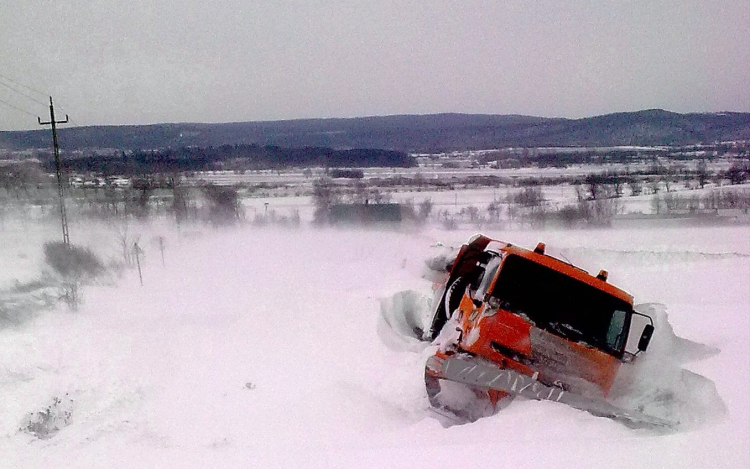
(148, 61)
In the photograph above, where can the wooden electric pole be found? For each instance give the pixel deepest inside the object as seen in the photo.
(58, 168)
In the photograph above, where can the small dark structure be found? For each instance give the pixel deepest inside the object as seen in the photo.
(366, 214)
(347, 173)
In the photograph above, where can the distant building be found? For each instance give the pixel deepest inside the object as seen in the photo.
(119, 182)
(365, 214)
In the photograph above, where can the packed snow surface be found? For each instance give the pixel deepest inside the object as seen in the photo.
(273, 348)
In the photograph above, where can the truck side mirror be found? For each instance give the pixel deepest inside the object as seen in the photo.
(648, 331)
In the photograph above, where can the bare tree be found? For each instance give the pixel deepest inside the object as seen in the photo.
(138, 202)
(667, 185)
(702, 174)
(425, 208)
(636, 186)
(495, 209)
(530, 197)
(598, 212)
(324, 197)
(528, 203)
(738, 173)
(378, 197)
(617, 184)
(657, 204)
(180, 203)
(512, 210)
(360, 195)
(670, 202)
(125, 241)
(654, 186)
(472, 212)
(224, 204)
(594, 183)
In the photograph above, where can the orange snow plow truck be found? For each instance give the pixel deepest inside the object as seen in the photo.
(513, 322)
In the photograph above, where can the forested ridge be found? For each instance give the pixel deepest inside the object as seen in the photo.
(231, 157)
(410, 133)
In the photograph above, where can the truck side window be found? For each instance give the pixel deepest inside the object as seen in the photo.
(616, 331)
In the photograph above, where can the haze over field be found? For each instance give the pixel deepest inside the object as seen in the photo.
(266, 347)
(141, 62)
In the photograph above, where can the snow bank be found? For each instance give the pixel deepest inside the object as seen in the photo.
(656, 384)
(262, 348)
(404, 317)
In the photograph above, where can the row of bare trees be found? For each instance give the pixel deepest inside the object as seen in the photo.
(717, 199)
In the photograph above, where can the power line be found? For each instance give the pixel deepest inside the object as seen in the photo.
(16, 90)
(17, 108)
(40, 93)
(13, 106)
(25, 86)
(70, 119)
(22, 94)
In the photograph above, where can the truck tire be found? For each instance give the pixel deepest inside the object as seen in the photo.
(451, 300)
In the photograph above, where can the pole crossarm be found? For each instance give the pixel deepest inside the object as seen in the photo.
(56, 122)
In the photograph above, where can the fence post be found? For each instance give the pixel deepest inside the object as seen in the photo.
(161, 248)
(138, 251)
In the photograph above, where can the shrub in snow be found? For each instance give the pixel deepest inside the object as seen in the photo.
(74, 265)
(45, 424)
(72, 262)
(598, 212)
(571, 215)
(450, 224)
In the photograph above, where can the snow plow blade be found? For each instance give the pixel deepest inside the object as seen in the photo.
(485, 378)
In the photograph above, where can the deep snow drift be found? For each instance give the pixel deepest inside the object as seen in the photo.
(265, 348)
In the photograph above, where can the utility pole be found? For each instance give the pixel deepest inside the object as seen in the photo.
(58, 168)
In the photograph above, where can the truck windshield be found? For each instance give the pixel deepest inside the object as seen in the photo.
(562, 304)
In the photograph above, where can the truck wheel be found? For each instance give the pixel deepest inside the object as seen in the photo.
(453, 296)
(451, 300)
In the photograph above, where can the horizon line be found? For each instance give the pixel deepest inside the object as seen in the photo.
(383, 116)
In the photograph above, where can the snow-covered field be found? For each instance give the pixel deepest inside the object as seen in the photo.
(261, 348)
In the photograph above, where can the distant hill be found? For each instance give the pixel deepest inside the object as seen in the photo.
(413, 133)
